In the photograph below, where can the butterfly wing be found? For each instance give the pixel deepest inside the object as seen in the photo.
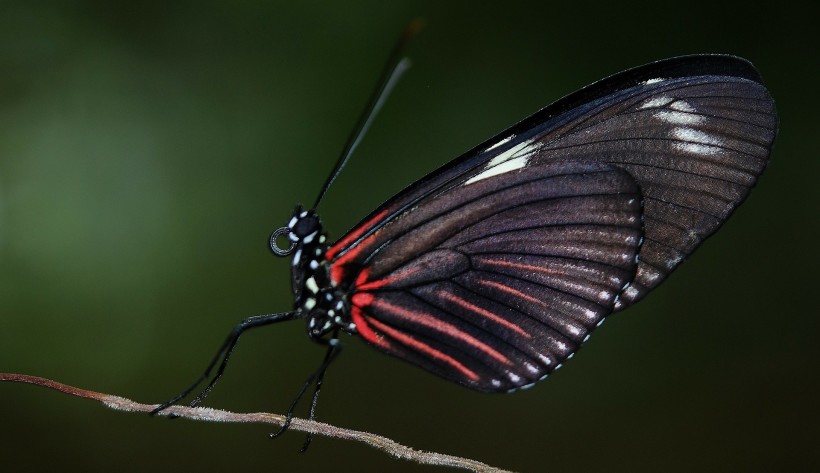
(691, 135)
(496, 282)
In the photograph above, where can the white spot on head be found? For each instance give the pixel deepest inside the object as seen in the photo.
(303, 214)
(292, 222)
(310, 237)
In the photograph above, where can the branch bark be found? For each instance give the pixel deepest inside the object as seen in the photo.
(379, 442)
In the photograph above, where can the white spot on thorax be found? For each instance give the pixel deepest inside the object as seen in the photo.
(311, 285)
(310, 304)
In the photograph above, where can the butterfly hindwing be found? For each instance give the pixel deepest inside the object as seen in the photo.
(507, 275)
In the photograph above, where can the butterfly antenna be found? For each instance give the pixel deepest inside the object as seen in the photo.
(396, 65)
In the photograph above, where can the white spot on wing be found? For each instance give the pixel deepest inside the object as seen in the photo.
(657, 102)
(690, 134)
(510, 160)
(682, 105)
(676, 117)
(696, 141)
(505, 140)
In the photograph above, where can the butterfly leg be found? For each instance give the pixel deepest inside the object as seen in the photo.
(224, 354)
(333, 349)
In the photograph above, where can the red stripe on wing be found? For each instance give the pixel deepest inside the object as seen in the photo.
(511, 290)
(363, 328)
(353, 235)
(482, 312)
(337, 268)
(362, 284)
(364, 299)
(424, 348)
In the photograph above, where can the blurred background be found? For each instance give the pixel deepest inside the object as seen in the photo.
(148, 149)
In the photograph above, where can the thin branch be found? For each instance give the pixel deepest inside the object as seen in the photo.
(384, 444)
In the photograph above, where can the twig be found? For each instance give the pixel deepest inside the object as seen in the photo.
(302, 425)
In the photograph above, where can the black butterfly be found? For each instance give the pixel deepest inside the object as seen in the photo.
(494, 269)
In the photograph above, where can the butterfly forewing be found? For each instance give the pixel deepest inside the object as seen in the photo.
(496, 281)
(695, 133)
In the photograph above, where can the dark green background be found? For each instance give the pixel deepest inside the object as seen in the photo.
(147, 150)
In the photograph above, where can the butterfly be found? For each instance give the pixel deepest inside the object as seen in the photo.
(494, 269)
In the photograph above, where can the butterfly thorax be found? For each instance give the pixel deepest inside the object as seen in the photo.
(315, 297)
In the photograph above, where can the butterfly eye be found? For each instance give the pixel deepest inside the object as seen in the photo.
(305, 226)
(274, 242)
